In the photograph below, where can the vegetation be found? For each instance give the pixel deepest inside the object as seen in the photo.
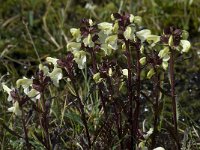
(120, 81)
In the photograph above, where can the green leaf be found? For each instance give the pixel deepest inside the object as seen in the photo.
(150, 73)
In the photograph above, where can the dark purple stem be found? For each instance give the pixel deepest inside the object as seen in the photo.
(82, 111)
(137, 102)
(172, 78)
(25, 131)
(130, 96)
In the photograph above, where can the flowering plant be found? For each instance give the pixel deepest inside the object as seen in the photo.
(106, 74)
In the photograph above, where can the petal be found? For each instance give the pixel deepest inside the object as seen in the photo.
(80, 59)
(106, 27)
(34, 94)
(73, 46)
(90, 22)
(185, 45)
(164, 52)
(52, 60)
(137, 20)
(142, 146)
(170, 42)
(45, 69)
(129, 33)
(110, 72)
(159, 148)
(153, 39)
(76, 33)
(131, 18)
(88, 41)
(125, 72)
(165, 65)
(146, 136)
(15, 109)
(141, 49)
(143, 34)
(25, 83)
(112, 42)
(166, 58)
(56, 75)
(11, 109)
(97, 78)
(106, 49)
(142, 60)
(6, 88)
(9, 98)
(115, 27)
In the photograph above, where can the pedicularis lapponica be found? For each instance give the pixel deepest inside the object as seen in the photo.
(121, 59)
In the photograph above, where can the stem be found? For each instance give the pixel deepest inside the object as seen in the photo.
(45, 123)
(172, 78)
(156, 105)
(117, 113)
(25, 131)
(137, 102)
(100, 84)
(83, 116)
(130, 97)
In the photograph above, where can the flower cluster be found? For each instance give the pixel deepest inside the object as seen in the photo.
(106, 37)
(32, 88)
(113, 56)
